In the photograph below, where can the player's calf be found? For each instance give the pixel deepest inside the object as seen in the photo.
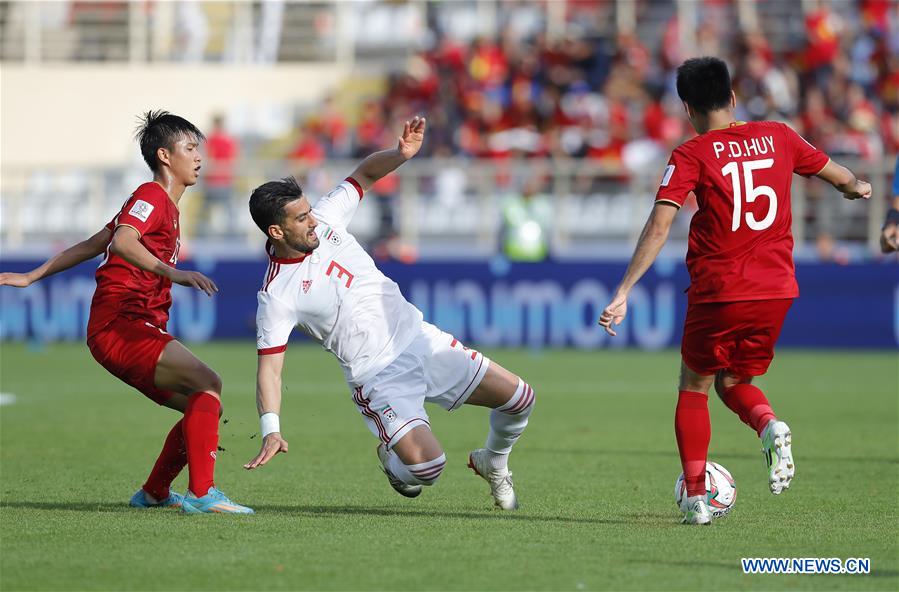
(746, 400)
(507, 423)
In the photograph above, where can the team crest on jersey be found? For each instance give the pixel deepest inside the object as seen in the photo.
(306, 285)
(388, 413)
(331, 236)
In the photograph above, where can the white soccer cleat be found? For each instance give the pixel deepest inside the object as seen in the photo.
(697, 511)
(401, 487)
(500, 480)
(776, 446)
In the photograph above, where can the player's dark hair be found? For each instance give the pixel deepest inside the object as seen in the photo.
(160, 129)
(704, 84)
(268, 200)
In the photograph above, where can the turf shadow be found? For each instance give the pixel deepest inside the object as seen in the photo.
(69, 506)
(327, 511)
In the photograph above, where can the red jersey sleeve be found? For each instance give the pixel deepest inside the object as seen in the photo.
(807, 160)
(680, 178)
(143, 211)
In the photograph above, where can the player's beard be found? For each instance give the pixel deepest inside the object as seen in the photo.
(305, 247)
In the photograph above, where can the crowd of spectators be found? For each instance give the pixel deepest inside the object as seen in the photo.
(612, 100)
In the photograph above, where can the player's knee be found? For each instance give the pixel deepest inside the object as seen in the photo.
(726, 380)
(720, 385)
(209, 381)
(428, 472)
(215, 383)
(694, 382)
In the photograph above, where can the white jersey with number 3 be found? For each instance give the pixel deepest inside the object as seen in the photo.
(337, 296)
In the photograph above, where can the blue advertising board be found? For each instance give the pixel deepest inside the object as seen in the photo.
(492, 303)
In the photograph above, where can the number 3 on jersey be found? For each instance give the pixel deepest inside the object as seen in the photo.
(732, 170)
(341, 272)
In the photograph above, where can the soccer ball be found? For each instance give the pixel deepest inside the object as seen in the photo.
(720, 490)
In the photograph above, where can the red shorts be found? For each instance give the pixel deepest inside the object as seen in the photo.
(734, 336)
(130, 349)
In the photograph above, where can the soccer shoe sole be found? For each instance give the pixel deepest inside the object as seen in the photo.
(472, 465)
(779, 457)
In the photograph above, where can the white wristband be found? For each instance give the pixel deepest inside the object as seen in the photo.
(269, 423)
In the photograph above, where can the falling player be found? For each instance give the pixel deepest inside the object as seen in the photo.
(740, 263)
(321, 279)
(126, 332)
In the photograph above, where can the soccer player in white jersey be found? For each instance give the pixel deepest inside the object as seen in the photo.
(320, 279)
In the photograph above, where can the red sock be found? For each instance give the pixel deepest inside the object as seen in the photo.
(750, 403)
(201, 434)
(170, 462)
(693, 429)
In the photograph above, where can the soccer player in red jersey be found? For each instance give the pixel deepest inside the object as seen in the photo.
(126, 332)
(742, 279)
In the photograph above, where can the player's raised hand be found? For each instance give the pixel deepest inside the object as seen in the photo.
(412, 138)
(614, 313)
(194, 279)
(862, 191)
(17, 280)
(271, 445)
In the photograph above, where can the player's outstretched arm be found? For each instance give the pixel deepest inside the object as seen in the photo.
(268, 404)
(382, 163)
(126, 244)
(86, 249)
(845, 181)
(653, 237)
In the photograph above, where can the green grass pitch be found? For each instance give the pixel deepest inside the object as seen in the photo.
(594, 473)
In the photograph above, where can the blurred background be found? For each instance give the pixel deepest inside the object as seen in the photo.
(550, 123)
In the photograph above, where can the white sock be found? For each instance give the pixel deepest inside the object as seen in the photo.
(425, 473)
(507, 422)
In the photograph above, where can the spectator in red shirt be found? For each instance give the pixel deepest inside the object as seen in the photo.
(221, 152)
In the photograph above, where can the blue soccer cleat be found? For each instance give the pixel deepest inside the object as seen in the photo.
(142, 500)
(214, 502)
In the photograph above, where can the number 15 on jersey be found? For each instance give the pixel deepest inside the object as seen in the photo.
(732, 169)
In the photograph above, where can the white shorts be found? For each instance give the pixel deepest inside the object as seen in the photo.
(435, 368)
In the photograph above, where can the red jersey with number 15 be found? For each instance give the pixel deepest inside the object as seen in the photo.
(128, 291)
(740, 244)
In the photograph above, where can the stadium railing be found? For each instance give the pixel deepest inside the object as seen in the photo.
(437, 206)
